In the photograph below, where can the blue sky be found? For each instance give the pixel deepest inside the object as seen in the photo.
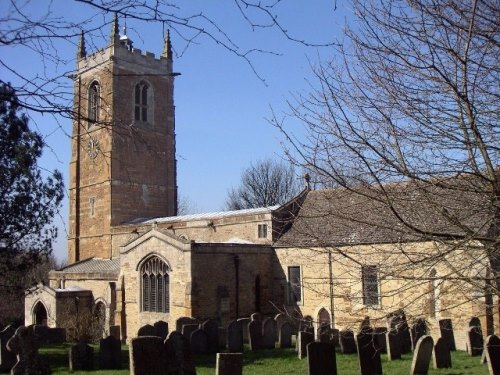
(221, 104)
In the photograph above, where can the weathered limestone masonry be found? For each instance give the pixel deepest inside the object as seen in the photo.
(121, 168)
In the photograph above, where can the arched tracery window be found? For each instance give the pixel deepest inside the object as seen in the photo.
(141, 102)
(94, 102)
(155, 285)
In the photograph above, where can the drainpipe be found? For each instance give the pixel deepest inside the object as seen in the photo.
(237, 284)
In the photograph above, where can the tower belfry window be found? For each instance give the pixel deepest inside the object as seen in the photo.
(94, 102)
(141, 102)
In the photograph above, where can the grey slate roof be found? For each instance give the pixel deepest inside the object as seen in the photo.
(94, 265)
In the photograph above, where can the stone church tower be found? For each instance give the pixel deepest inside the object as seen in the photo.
(123, 164)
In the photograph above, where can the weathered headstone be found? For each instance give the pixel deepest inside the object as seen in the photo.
(146, 330)
(336, 337)
(255, 334)
(211, 328)
(422, 356)
(280, 319)
(25, 346)
(347, 343)
(184, 320)
(303, 340)
(188, 329)
(475, 322)
(110, 352)
(56, 336)
(397, 323)
(446, 330)
(178, 354)
(222, 338)
(306, 325)
(256, 316)
(365, 325)
(244, 326)
(441, 354)
(42, 333)
(368, 353)
(7, 358)
(321, 359)
(147, 355)
(81, 357)
(285, 335)
(380, 341)
(418, 329)
(229, 364)
(393, 346)
(325, 334)
(475, 342)
(235, 337)
(115, 332)
(269, 333)
(492, 348)
(199, 342)
(161, 329)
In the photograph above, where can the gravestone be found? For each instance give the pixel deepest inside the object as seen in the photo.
(325, 334)
(441, 354)
(188, 329)
(244, 328)
(211, 328)
(368, 353)
(184, 320)
(199, 342)
(178, 354)
(161, 329)
(110, 351)
(398, 324)
(365, 325)
(280, 319)
(222, 338)
(321, 359)
(418, 329)
(446, 330)
(393, 346)
(42, 333)
(115, 332)
(256, 316)
(235, 337)
(269, 333)
(347, 342)
(285, 336)
(304, 339)
(81, 357)
(25, 346)
(7, 358)
(255, 334)
(147, 355)
(492, 348)
(56, 336)
(475, 322)
(422, 356)
(146, 330)
(475, 342)
(335, 337)
(379, 338)
(306, 325)
(229, 364)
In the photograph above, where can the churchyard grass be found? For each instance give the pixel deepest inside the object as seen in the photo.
(274, 362)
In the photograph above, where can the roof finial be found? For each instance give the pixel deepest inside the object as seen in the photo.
(115, 30)
(307, 179)
(167, 47)
(81, 53)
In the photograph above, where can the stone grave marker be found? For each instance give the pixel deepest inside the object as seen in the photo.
(147, 355)
(222, 338)
(199, 342)
(418, 329)
(42, 333)
(244, 327)
(368, 353)
(56, 336)
(303, 339)
(441, 355)
(325, 334)
(398, 324)
(475, 342)
(184, 320)
(285, 336)
(475, 322)
(188, 329)
(365, 325)
(380, 341)
(306, 325)
(492, 348)
(321, 359)
(336, 337)
(25, 346)
(115, 332)
(110, 351)
(422, 356)
(269, 333)
(235, 337)
(347, 342)
(161, 329)
(178, 354)
(146, 330)
(393, 346)
(81, 357)
(211, 328)
(7, 358)
(280, 319)
(255, 334)
(446, 330)
(256, 316)
(229, 364)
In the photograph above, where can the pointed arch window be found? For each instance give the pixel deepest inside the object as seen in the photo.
(142, 92)
(94, 102)
(155, 286)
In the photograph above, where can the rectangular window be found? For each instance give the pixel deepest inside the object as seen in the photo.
(262, 229)
(294, 285)
(369, 276)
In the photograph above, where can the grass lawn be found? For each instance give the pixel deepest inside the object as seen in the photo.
(275, 362)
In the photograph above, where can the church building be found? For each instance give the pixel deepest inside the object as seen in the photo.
(132, 261)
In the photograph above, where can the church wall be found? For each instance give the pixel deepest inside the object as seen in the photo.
(402, 284)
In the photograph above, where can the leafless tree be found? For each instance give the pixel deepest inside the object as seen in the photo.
(404, 121)
(263, 184)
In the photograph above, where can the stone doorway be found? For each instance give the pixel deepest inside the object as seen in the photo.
(40, 314)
